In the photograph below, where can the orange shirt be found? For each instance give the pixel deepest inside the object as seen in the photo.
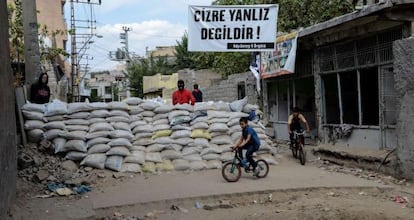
(183, 97)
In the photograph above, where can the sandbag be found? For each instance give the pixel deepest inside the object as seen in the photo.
(203, 106)
(180, 120)
(218, 120)
(214, 164)
(238, 115)
(249, 108)
(200, 133)
(98, 105)
(134, 110)
(143, 135)
(237, 106)
(210, 150)
(32, 107)
(54, 125)
(137, 123)
(233, 122)
(218, 127)
(180, 164)
(148, 120)
(143, 129)
(94, 160)
(118, 106)
(163, 109)
(200, 125)
(191, 150)
(118, 119)
(227, 156)
(136, 157)
(175, 147)
(120, 142)
(96, 120)
(75, 155)
(75, 135)
(78, 107)
(98, 148)
(149, 105)
(97, 134)
(165, 141)
(221, 106)
(33, 115)
(203, 119)
(103, 113)
(52, 134)
(171, 155)
(163, 121)
(155, 148)
(184, 141)
(185, 107)
(160, 116)
(58, 144)
(133, 101)
(201, 142)
(147, 114)
(165, 165)
(161, 133)
(118, 113)
(121, 126)
(181, 134)
(153, 157)
(119, 151)
(192, 157)
(114, 163)
(222, 139)
(217, 114)
(75, 145)
(177, 113)
(77, 122)
(54, 118)
(198, 165)
(162, 127)
(121, 134)
(131, 168)
(183, 126)
(149, 167)
(211, 156)
(143, 141)
(77, 128)
(33, 124)
(79, 115)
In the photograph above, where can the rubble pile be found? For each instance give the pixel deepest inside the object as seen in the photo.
(136, 135)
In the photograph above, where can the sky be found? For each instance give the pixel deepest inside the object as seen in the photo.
(153, 23)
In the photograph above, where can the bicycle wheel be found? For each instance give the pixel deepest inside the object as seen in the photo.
(302, 155)
(294, 151)
(264, 168)
(231, 172)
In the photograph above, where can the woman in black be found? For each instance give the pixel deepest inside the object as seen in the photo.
(40, 91)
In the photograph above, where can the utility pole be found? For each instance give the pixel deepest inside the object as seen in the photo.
(75, 59)
(31, 42)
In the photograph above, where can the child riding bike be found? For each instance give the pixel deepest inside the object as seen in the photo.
(249, 141)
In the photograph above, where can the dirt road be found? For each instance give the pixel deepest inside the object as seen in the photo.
(298, 192)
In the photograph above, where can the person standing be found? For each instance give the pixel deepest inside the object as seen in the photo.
(198, 95)
(182, 95)
(40, 91)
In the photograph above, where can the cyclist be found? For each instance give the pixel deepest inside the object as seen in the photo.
(294, 124)
(249, 141)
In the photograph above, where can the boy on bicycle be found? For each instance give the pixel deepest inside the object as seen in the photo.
(294, 123)
(249, 141)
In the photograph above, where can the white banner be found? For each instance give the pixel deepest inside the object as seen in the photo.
(282, 60)
(232, 28)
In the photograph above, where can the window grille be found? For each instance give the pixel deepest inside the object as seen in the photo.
(345, 55)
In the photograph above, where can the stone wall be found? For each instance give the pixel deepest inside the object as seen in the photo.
(227, 90)
(404, 83)
(204, 78)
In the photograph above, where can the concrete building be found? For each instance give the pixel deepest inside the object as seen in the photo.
(163, 51)
(107, 86)
(355, 69)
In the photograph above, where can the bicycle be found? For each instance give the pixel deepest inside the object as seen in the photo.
(298, 146)
(231, 170)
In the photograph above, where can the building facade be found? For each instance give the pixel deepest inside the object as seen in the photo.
(347, 74)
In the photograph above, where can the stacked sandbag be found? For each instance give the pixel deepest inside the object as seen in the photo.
(33, 114)
(179, 120)
(55, 127)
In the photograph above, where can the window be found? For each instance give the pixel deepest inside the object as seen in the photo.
(108, 90)
(349, 94)
(330, 88)
(241, 90)
(369, 96)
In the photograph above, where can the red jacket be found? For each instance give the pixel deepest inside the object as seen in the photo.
(182, 97)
